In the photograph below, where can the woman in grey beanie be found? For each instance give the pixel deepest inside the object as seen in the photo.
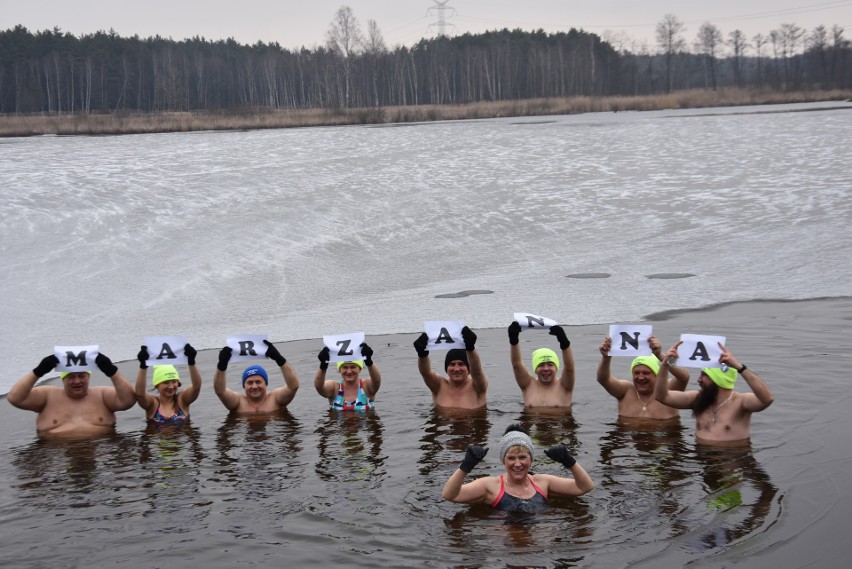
(517, 489)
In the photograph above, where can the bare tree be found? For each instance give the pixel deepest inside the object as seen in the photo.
(818, 46)
(738, 44)
(839, 47)
(375, 49)
(789, 37)
(707, 44)
(344, 38)
(670, 41)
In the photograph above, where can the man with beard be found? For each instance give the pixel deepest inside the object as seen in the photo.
(257, 399)
(544, 390)
(722, 415)
(74, 410)
(466, 385)
(636, 398)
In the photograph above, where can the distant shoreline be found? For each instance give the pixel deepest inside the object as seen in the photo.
(253, 119)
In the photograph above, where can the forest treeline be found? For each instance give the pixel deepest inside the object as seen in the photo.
(54, 72)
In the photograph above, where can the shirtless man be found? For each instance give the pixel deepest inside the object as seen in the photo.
(257, 399)
(74, 410)
(466, 385)
(721, 414)
(544, 390)
(636, 398)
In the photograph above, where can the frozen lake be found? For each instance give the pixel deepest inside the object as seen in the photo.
(304, 232)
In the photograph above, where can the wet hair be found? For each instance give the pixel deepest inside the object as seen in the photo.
(706, 397)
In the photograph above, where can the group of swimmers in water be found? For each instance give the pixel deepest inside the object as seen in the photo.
(722, 415)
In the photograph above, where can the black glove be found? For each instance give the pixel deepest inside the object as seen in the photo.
(474, 454)
(224, 358)
(514, 332)
(142, 356)
(273, 354)
(367, 352)
(469, 339)
(564, 342)
(105, 365)
(190, 354)
(323, 357)
(46, 365)
(560, 453)
(420, 345)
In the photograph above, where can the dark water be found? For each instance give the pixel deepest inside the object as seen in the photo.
(310, 487)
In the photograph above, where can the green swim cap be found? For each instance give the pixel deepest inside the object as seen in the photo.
(647, 361)
(359, 363)
(63, 374)
(544, 355)
(724, 379)
(165, 373)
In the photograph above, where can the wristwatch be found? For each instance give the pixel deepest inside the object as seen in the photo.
(742, 369)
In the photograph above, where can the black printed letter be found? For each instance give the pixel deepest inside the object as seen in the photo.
(344, 348)
(625, 339)
(247, 348)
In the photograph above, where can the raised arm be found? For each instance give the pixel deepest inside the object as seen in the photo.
(581, 484)
(477, 374)
(123, 396)
(680, 375)
(229, 399)
(424, 364)
(676, 399)
(615, 387)
(761, 396)
(145, 399)
(522, 374)
(455, 490)
(190, 393)
(23, 396)
(283, 395)
(567, 378)
(374, 382)
(325, 387)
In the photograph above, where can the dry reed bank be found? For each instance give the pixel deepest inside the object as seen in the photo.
(136, 123)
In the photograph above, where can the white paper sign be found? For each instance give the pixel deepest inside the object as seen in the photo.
(699, 351)
(76, 358)
(166, 350)
(444, 334)
(630, 340)
(247, 347)
(527, 320)
(344, 347)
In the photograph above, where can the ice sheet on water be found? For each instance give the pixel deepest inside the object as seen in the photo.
(299, 233)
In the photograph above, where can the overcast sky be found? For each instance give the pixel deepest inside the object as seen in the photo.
(403, 22)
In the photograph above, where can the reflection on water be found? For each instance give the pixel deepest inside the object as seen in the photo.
(451, 430)
(664, 494)
(739, 495)
(170, 459)
(350, 450)
(347, 492)
(254, 454)
(548, 427)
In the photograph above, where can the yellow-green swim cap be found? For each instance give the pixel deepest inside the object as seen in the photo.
(165, 373)
(359, 363)
(724, 379)
(544, 355)
(63, 374)
(647, 361)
